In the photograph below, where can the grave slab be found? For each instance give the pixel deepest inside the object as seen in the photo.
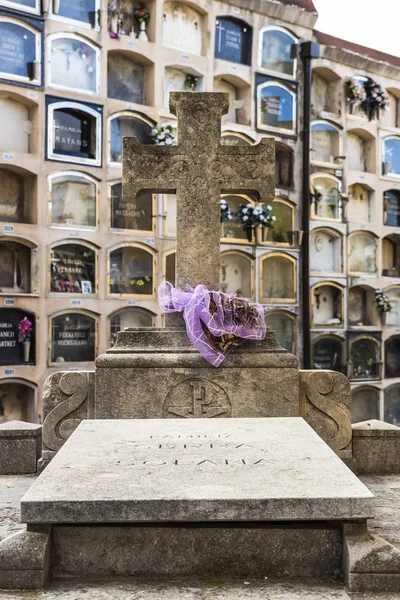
(196, 470)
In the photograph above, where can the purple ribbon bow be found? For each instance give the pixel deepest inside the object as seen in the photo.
(225, 317)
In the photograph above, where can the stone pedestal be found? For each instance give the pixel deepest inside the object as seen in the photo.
(20, 447)
(156, 373)
(376, 447)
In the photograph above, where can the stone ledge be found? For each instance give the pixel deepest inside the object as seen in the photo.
(25, 560)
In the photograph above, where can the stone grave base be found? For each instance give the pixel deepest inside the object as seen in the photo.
(233, 498)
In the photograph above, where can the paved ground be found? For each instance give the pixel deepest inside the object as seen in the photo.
(387, 523)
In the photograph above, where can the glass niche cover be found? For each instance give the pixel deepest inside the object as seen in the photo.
(131, 213)
(73, 64)
(276, 108)
(73, 269)
(73, 201)
(18, 51)
(131, 271)
(73, 338)
(76, 10)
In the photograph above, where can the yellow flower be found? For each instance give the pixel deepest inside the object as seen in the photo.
(140, 282)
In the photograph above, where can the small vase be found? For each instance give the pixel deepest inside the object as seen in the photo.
(382, 316)
(249, 233)
(27, 350)
(143, 35)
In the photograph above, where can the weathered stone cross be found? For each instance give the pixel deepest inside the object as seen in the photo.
(198, 169)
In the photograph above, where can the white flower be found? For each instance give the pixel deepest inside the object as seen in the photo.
(223, 202)
(229, 217)
(245, 218)
(257, 211)
(273, 218)
(244, 211)
(269, 208)
(249, 205)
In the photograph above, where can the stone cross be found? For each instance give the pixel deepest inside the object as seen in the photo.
(198, 169)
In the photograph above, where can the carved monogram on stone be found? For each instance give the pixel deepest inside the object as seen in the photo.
(198, 169)
(197, 398)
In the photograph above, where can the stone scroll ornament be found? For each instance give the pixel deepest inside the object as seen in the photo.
(216, 323)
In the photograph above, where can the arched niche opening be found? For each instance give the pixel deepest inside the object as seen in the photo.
(391, 256)
(131, 214)
(327, 305)
(391, 208)
(18, 195)
(391, 156)
(72, 200)
(170, 267)
(15, 132)
(231, 231)
(73, 63)
(282, 233)
(183, 27)
(364, 404)
(278, 278)
(393, 316)
(326, 198)
(326, 93)
(328, 353)
(391, 117)
(361, 309)
(362, 253)
(121, 19)
(17, 347)
(284, 325)
(17, 400)
(73, 337)
(276, 108)
(326, 251)
(127, 318)
(326, 144)
(128, 77)
(237, 274)
(234, 138)
(392, 357)
(361, 151)
(15, 267)
(359, 208)
(132, 271)
(365, 358)
(392, 405)
(275, 55)
(233, 40)
(239, 98)
(73, 269)
(283, 165)
(127, 124)
(178, 78)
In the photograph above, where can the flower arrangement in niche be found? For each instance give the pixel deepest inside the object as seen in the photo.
(25, 330)
(251, 217)
(162, 135)
(382, 302)
(368, 95)
(316, 195)
(190, 82)
(225, 212)
(141, 13)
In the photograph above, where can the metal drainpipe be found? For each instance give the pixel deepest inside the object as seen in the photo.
(308, 51)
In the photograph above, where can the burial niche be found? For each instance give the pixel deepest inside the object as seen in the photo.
(12, 197)
(20, 53)
(325, 144)
(13, 351)
(233, 39)
(364, 404)
(365, 358)
(32, 6)
(15, 268)
(393, 316)
(391, 156)
(392, 356)
(181, 80)
(15, 126)
(276, 108)
(17, 401)
(73, 269)
(327, 305)
(73, 338)
(182, 27)
(284, 326)
(127, 125)
(74, 64)
(325, 194)
(237, 274)
(391, 256)
(282, 233)
(361, 309)
(129, 317)
(223, 85)
(359, 206)
(275, 51)
(283, 165)
(72, 199)
(131, 271)
(230, 138)
(362, 253)
(74, 133)
(134, 214)
(391, 208)
(327, 353)
(360, 151)
(278, 278)
(84, 11)
(231, 231)
(125, 79)
(170, 267)
(326, 251)
(325, 92)
(392, 405)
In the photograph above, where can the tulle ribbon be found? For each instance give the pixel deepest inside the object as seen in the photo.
(216, 322)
